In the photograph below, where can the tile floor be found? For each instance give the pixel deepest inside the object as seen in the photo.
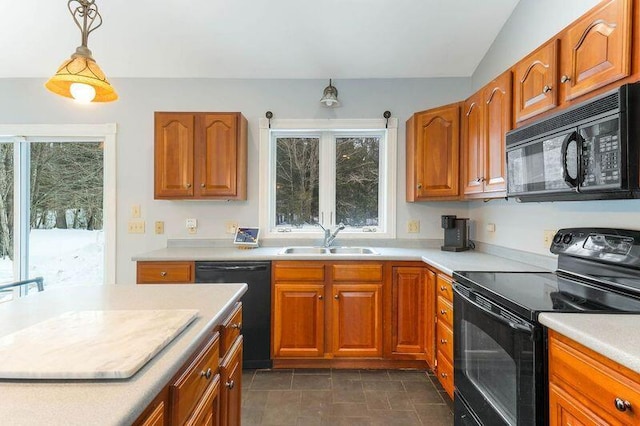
(312, 397)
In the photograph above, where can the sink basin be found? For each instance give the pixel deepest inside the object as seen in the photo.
(304, 250)
(352, 250)
(327, 250)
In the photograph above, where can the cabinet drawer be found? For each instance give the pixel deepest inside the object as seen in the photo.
(230, 329)
(444, 311)
(190, 387)
(165, 272)
(444, 341)
(444, 287)
(298, 271)
(594, 379)
(357, 272)
(445, 373)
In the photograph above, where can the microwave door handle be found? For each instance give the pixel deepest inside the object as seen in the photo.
(511, 324)
(572, 137)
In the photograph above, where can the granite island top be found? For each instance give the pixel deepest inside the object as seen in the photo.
(612, 335)
(107, 401)
(446, 262)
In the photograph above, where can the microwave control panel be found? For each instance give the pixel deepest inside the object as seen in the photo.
(601, 155)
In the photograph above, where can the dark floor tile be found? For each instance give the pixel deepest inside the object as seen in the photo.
(399, 400)
(347, 391)
(308, 421)
(247, 378)
(282, 398)
(394, 418)
(254, 399)
(383, 386)
(447, 400)
(251, 416)
(434, 414)
(283, 416)
(311, 382)
(422, 393)
(348, 409)
(346, 421)
(374, 375)
(312, 371)
(409, 375)
(282, 408)
(345, 374)
(377, 400)
(315, 403)
(272, 380)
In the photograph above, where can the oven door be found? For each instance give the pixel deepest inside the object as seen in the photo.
(498, 368)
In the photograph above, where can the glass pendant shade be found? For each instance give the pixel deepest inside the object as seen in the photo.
(330, 96)
(84, 70)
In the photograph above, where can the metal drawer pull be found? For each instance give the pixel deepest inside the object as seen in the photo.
(202, 185)
(564, 79)
(230, 384)
(443, 375)
(546, 89)
(238, 326)
(622, 405)
(320, 297)
(443, 287)
(206, 374)
(163, 274)
(188, 185)
(336, 297)
(443, 341)
(443, 311)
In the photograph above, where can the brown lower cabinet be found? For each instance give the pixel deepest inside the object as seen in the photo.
(444, 332)
(207, 389)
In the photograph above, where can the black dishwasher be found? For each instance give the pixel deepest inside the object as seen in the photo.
(256, 304)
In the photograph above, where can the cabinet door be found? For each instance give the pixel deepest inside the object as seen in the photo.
(298, 320)
(357, 320)
(408, 299)
(220, 156)
(535, 79)
(497, 122)
(173, 155)
(596, 50)
(429, 278)
(435, 154)
(564, 410)
(231, 390)
(473, 144)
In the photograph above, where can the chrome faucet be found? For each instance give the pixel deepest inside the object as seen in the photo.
(329, 236)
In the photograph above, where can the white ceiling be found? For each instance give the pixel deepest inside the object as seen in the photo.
(257, 38)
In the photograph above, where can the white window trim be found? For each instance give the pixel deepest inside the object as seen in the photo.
(106, 132)
(389, 157)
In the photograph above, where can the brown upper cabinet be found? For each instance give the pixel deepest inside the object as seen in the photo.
(486, 117)
(200, 156)
(535, 82)
(433, 144)
(596, 50)
(591, 53)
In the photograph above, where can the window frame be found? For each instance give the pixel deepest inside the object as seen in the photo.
(105, 133)
(331, 128)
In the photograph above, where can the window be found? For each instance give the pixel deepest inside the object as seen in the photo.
(56, 204)
(328, 172)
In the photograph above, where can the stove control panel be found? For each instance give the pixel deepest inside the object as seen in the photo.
(612, 245)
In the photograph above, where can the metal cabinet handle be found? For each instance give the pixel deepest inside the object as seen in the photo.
(443, 341)
(163, 274)
(320, 297)
(443, 375)
(622, 405)
(336, 297)
(546, 89)
(443, 311)
(443, 288)
(188, 185)
(203, 185)
(565, 78)
(206, 374)
(419, 186)
(230, 384)
(238, 326)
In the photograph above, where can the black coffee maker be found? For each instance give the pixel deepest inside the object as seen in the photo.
(456, 233)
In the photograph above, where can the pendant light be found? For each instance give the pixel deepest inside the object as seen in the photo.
(330, 96)
(80, 77)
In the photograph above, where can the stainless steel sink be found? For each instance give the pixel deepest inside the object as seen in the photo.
(304, 250)
(352, 250)
(327, 250)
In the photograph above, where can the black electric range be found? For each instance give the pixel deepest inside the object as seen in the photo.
(499, 355)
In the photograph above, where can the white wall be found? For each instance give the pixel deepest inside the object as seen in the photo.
(26, 101)
(522, 226)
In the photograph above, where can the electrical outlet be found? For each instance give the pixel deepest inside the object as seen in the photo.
(230, 227)
(548, 236)
(192, 226)
(491, 227)
(135, 211)
(136, 227)
(413, 226)
(159, 227)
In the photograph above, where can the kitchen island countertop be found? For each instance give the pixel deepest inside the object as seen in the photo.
(107, 402)
(612, 335)
(446, 262)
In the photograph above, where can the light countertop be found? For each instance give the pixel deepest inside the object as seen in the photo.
(446, 262)
(107, 401)
(612, 335)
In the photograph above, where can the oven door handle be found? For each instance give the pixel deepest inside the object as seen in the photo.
(525, 328)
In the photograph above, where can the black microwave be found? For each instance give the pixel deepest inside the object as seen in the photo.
(586, 152)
